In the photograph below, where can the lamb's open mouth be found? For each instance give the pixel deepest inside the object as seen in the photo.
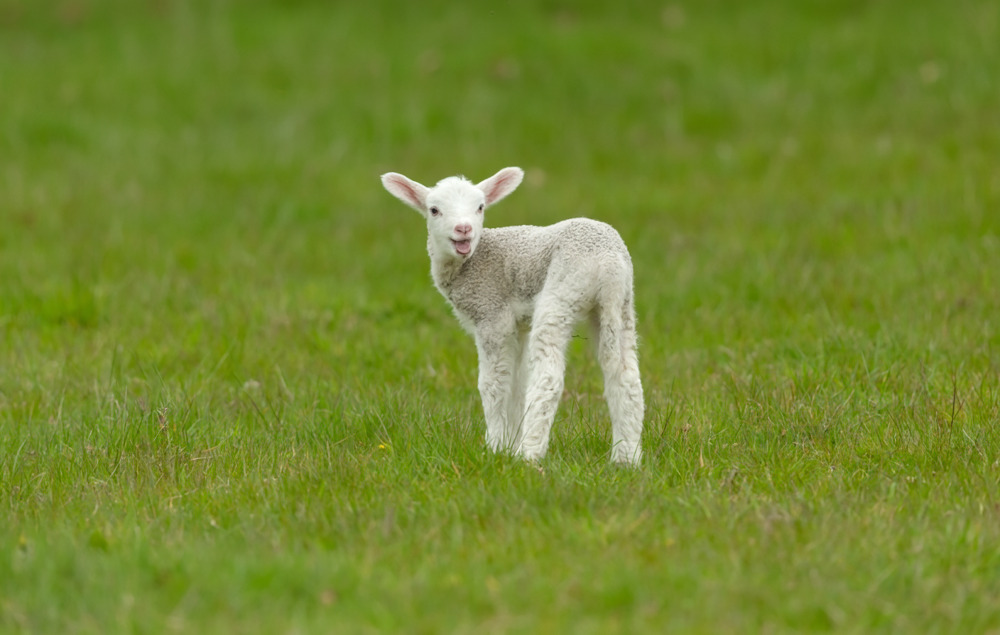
(463, 246)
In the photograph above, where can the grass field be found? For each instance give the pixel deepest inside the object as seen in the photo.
(231, 400)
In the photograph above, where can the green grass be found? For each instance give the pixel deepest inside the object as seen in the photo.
(231, 400)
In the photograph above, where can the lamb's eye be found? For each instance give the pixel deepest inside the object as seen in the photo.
(480, 207)
(435, 211)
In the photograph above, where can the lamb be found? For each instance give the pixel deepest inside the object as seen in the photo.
(520, 292)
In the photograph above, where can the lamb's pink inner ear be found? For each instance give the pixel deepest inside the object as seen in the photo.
(501, 184)
(410, 192)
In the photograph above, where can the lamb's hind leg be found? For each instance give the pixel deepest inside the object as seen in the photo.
(550, 333)
(616, 351)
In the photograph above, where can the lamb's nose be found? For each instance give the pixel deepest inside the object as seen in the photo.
(465, 229)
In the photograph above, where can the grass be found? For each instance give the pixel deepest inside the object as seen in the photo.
(231, 401)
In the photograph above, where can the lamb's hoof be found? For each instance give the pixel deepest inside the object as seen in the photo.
(530, 454)
(499, 445)
(626, 458)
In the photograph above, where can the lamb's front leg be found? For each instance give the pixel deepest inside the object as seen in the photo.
(551, 330)
(515, 411)
(497, 369)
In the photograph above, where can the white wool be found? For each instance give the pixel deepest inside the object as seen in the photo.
(520, 292)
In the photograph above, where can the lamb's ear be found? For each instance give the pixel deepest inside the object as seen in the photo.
(501, 184)
(410, 192)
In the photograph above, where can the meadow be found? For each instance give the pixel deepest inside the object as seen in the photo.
(231, 400)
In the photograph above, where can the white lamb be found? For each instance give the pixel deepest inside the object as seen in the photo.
(519, 291)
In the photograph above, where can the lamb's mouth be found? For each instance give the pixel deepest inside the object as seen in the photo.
(463, 247)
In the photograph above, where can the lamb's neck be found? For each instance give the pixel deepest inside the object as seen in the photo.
(444, 270)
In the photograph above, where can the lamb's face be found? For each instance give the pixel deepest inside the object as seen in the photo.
(455, 217)
(453, 208)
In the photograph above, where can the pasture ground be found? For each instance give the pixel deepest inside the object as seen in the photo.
(231, 400)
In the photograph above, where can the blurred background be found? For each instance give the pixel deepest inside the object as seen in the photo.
(206, 173)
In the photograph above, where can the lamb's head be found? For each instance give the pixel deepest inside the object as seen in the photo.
(453, 208)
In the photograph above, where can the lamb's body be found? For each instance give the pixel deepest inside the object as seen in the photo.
(520, 291)
(511, 266)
